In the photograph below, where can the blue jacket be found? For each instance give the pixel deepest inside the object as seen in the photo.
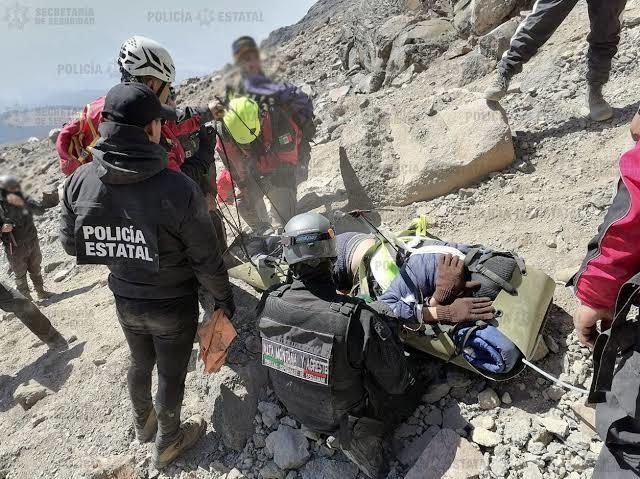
(422, 269)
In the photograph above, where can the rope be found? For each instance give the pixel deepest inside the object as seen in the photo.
(554, 379)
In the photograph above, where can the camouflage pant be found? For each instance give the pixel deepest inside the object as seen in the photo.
(26, 257)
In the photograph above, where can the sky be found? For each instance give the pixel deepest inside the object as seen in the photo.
(54, 50)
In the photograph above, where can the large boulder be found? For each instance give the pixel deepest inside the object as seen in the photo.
(234, 394)
(487, 14)
(423, 157)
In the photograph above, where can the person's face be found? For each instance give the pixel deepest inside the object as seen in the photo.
(250, 63)
(13, 189)
(158, 88)
(154, 131)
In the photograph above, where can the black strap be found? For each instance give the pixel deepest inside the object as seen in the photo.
(279, 291)
(611, 343)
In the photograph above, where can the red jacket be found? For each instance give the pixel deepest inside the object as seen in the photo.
(79, 133)
(614, 253)
(264, 156)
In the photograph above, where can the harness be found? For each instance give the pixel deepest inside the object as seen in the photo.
(620, 338)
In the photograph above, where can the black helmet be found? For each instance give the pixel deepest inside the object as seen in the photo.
(9, 182)
(308, 237)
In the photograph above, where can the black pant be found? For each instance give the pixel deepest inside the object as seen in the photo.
(618, 422)
(12, 301)
(158, 332)
(548, 15)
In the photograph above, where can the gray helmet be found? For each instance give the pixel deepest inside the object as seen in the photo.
(308, 237)
(9, 182)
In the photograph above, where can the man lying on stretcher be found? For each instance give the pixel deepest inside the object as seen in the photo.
(433, 286)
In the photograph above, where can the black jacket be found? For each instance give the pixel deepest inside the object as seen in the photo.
(24, 229)
(150, 225)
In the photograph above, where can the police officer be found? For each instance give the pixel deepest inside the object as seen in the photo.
(151, 226)
(327, 353)
(20, 236)
(12, 301)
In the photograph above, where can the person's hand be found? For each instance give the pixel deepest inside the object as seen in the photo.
(217, 109)
(15, 200)
(7, 228)
(466, 309)
(450, 279)
(585, 322)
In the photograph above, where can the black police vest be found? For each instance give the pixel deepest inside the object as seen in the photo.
(305, 350)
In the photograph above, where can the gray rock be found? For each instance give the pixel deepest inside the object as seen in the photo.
(531, 472)
(233, 401)
(289, 447)
(49, 267)
(270, 413)
(62, 275)
(555, 426)
(29, 394)
(116, 466)
(435, 392)
(411, 451)
(452, 419)
(517, 430)
(497, 41)
(272, 471)
(487, 14)
(488, 399)
(448, 457)
(484, 437)
(433, 418)
(475, 66)
(329, 469)
(338, 93)
(235, 474)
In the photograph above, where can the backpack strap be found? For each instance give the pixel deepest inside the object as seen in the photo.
(622, 335)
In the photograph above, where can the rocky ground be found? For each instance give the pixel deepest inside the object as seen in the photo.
(545, 205)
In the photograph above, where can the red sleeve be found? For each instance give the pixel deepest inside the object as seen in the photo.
(176, 153)
(68, 161)
(188, 126)
(614, 253)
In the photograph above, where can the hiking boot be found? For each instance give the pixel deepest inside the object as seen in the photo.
(498, 87)
(56, 341)
(599, 109)
(365, 448)
(43, 293)
(23, 288)
(146, 427)
(172, 438)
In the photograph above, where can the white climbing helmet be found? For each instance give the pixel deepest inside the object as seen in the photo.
(141, 56)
